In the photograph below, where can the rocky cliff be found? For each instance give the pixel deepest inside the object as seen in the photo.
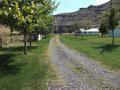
(90, 13)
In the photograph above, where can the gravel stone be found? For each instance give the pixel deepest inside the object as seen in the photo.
(90, 75)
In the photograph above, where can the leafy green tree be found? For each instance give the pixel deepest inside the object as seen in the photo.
(103, 29)
(76, 28)
(113, 21)
(86, 24)
(22, 15)
(45, 25)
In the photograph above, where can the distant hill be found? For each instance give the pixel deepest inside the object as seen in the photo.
(91, 13)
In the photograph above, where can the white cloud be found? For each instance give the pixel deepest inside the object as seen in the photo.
(98, 2)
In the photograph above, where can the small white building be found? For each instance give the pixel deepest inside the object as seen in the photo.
(39, 37)
(91, 31)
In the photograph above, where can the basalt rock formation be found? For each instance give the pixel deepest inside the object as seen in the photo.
(91, 13)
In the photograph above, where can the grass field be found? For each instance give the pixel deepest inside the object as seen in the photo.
(100, 49)
(25, 72)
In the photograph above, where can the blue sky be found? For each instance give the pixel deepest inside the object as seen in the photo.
(74, 5)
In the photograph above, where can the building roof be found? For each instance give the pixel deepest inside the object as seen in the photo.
(90, 30)
(93, 30)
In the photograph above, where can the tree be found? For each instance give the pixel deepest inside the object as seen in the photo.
(22, 14)
(113, 21)
(48, 25)
(86, 24)
(45, 26)
(103, 29)
(76, 28)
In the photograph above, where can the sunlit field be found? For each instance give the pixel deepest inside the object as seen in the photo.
(100, 49)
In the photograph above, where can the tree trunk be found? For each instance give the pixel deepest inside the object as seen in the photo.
(30, 40)
(83, 33)
(76, 34)
(25, 42)
(113, 38)
(11, 40)
(11, 32)
(82, 36)
(0, 42)
(102, 35)
(45, 35)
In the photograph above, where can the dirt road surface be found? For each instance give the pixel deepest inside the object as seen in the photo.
(78, 72)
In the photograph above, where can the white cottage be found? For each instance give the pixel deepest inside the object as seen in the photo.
(91, 31)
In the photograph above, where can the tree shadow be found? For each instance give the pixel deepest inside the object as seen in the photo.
(8, 65)
(11, 49)
(107, 48)
(17, 49)
(83, 39)
(78, 38)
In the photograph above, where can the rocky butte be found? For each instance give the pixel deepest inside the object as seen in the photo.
(92, 13)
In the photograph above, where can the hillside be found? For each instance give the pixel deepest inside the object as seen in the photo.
(91, 13)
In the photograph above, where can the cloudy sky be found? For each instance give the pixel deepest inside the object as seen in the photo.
(97, 2)
(74, 5)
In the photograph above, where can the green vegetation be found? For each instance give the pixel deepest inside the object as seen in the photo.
(100, 49)
(110, 21)
(113, 21)
(26, 15)
(25, 72)
(77, 26)
(103, 29)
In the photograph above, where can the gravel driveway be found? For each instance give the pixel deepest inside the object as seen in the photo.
(78, 72)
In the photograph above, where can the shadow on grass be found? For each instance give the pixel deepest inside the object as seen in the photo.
(78, 38)
(107, 48)
(83, 39)
(17, 49)
(8, 65)
(11, 49)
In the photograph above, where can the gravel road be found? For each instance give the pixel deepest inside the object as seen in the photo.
(78, 72)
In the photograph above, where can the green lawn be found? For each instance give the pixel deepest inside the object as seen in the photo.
(97, 48)
(26, 72)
